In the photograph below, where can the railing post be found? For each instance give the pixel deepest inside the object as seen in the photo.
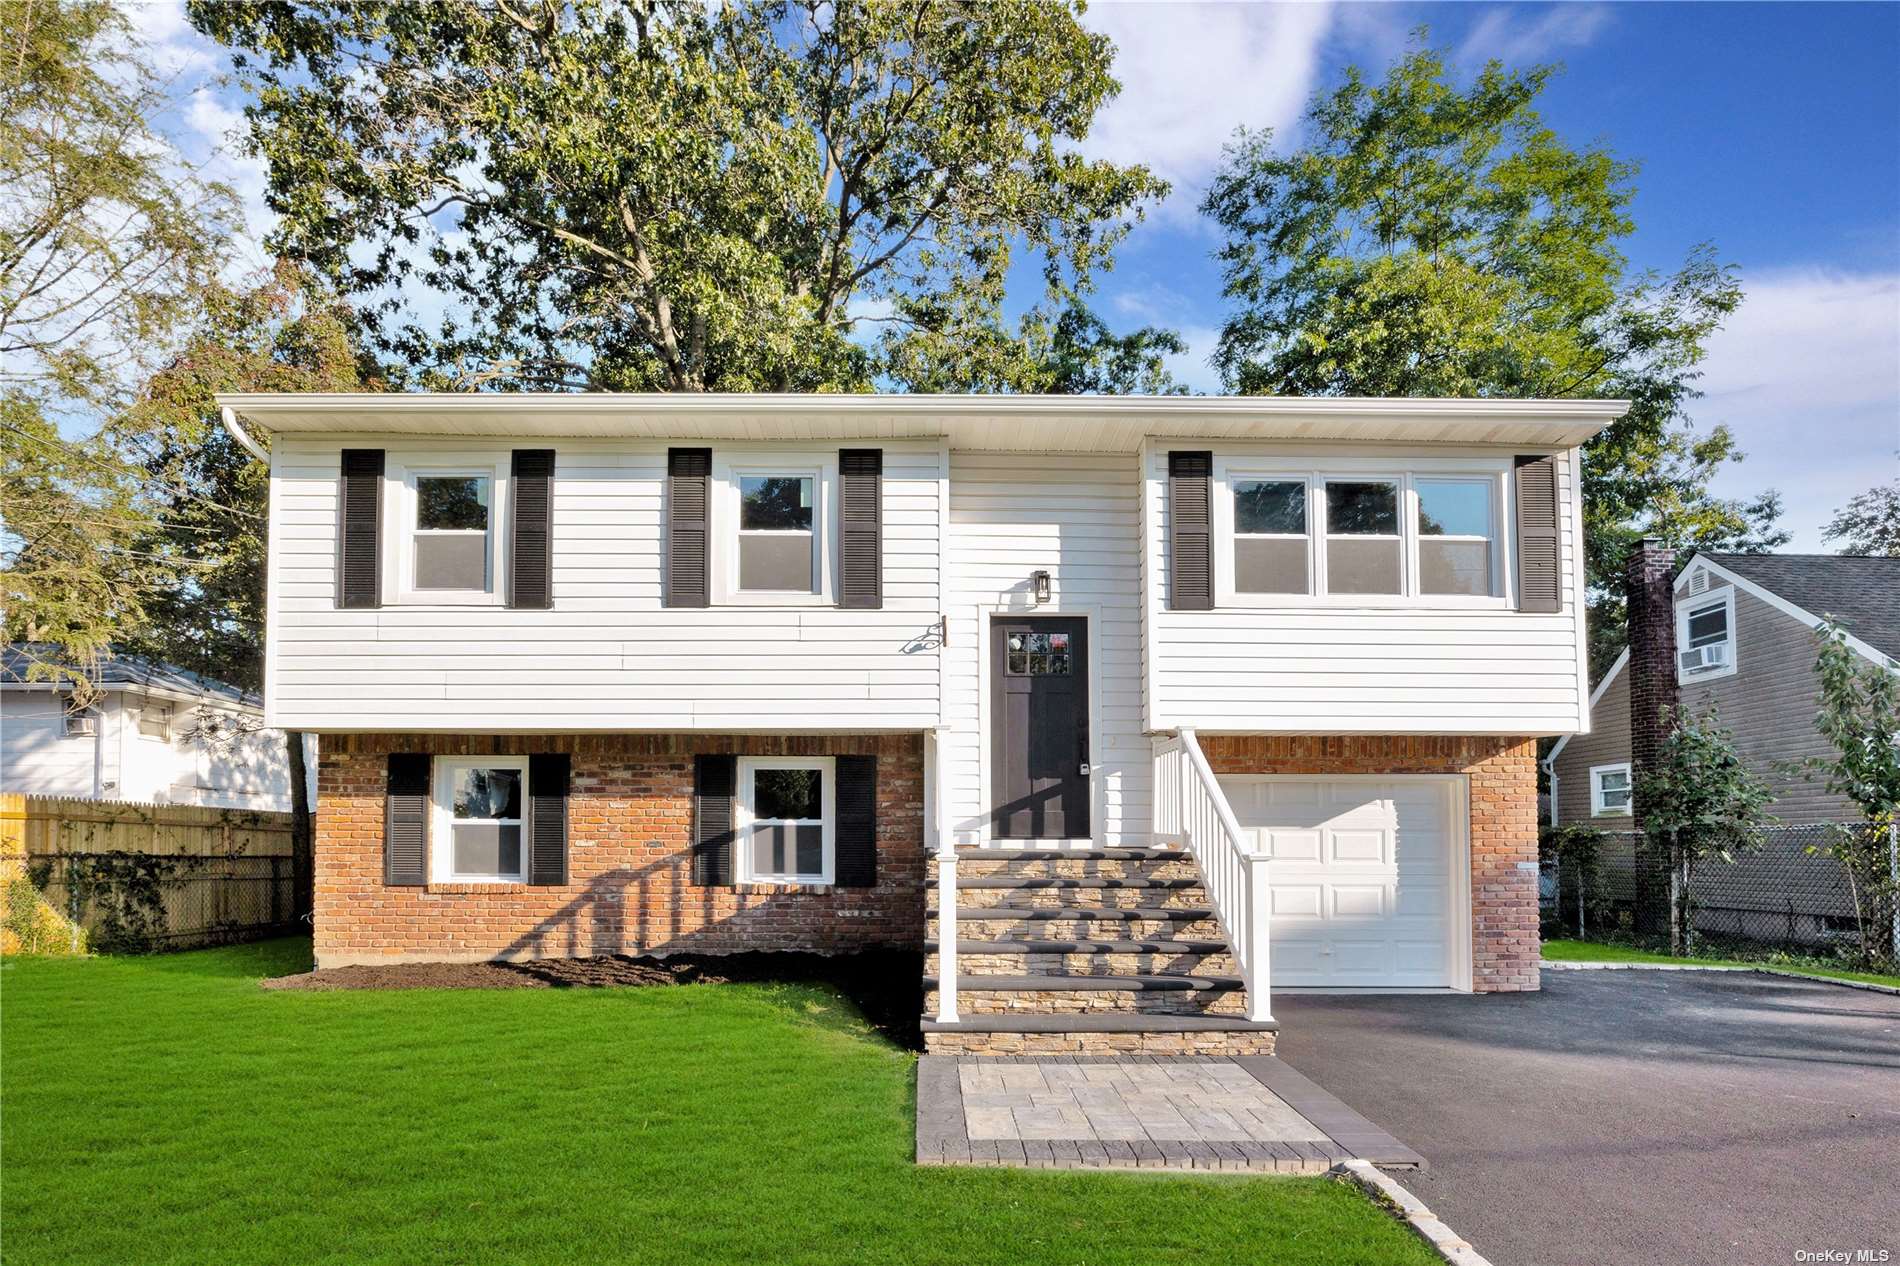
(947, 936)
(1257, 971)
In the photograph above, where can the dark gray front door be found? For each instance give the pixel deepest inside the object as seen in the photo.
(1039, 709)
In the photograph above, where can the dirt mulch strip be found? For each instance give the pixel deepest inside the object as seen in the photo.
(886, 987)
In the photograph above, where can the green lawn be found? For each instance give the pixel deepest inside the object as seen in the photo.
(166, 1109)
(1595, 952)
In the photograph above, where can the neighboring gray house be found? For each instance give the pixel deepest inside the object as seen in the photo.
(1744, 639)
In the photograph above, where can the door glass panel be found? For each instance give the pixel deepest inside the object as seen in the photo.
(1038, 655)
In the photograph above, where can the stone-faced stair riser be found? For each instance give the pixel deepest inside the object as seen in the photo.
(1229, 1002)
(970, 927)
(969, 963)
(1057, 898)
(1078, 868)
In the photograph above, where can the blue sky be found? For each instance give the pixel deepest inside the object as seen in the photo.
(1770, 130)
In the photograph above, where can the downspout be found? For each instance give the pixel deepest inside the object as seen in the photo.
(249, 445)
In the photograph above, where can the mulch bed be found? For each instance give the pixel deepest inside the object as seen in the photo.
(886, 986)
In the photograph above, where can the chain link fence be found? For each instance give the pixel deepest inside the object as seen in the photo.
(1823, 892)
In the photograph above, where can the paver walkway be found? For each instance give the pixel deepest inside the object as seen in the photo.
(1153, 1112)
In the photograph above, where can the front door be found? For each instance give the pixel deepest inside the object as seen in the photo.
(1039, 713)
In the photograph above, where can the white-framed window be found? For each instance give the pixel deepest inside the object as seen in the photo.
(1361, 535)
(446, 542)
(477, 835)
(774, 527)
(1705, 636)
(785, 819)
(155, 720)
(1610, 790)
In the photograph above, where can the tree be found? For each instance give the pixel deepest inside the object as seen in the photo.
(672, 195)
(1074, 354)
(106, 238)
(1869, 525)
(1860, 718)
(1701, 802)
(1428, 241)
(208, 530)
(106, 242)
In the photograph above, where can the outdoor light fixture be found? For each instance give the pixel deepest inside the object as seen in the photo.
(1039, 585)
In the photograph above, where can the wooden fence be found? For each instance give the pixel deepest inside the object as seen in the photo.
(155, 876)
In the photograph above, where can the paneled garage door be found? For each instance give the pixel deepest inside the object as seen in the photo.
(1369, 877)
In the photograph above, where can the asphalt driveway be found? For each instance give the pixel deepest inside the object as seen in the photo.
(1631, 1116)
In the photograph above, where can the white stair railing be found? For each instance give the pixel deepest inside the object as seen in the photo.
(1192, 813)
(945, 846)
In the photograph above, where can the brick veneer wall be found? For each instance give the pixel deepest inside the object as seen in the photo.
(1502, 775)
(630, 814)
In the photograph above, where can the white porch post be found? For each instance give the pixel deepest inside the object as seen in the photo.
(1258, 968)
(946, 850)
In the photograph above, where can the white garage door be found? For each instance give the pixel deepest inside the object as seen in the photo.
(1366, 877)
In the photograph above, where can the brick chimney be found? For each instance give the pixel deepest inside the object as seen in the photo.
(1649, 585)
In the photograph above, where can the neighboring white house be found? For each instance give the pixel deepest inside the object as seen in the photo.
(1096, 700)
(157, 734)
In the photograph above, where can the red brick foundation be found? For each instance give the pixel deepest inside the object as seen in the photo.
(630, 815)
(1502, 774)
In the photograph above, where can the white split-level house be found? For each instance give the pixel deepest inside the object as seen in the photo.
(1127, 711)
(154, 733)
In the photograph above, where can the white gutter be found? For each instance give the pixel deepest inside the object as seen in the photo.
(226, 416)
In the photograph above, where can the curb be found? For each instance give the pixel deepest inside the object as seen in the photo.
(1567, 965)
(1446, 1242)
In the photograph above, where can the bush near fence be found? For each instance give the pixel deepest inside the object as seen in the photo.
(1788, 894)
(128, 877)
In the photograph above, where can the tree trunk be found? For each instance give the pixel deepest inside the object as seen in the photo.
(302, 833)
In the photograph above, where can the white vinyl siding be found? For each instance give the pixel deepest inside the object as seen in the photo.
(1076, 517)
(608, 656)
(1384, 666)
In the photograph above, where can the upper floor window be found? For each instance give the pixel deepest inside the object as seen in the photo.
(446, 538)
(1349, 539)
(1705, 636)
(773, 519)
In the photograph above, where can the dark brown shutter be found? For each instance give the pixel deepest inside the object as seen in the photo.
(359, 530)
(530, 528)
(688, 526)
(406, 820)
(547, 819)
(855, 834)
(714, 779)
(1539, 584)
(1191, 531)
(861, 527)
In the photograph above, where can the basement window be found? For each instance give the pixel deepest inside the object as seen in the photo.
(477, 836)
(785, 820)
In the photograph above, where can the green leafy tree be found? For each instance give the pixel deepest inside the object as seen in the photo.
(1860, 718)
(1700, 802)
(106, 243)
(1869, 525)
(1074, 354)
(1433, 241)
(674, 195)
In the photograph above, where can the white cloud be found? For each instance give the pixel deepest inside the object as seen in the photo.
(1513, 38)
(1193, 72)
(1807, 376)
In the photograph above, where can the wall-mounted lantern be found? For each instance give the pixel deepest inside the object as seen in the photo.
(1039, 586)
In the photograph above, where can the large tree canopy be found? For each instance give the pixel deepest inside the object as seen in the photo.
(676, 195)
(1435, 241)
